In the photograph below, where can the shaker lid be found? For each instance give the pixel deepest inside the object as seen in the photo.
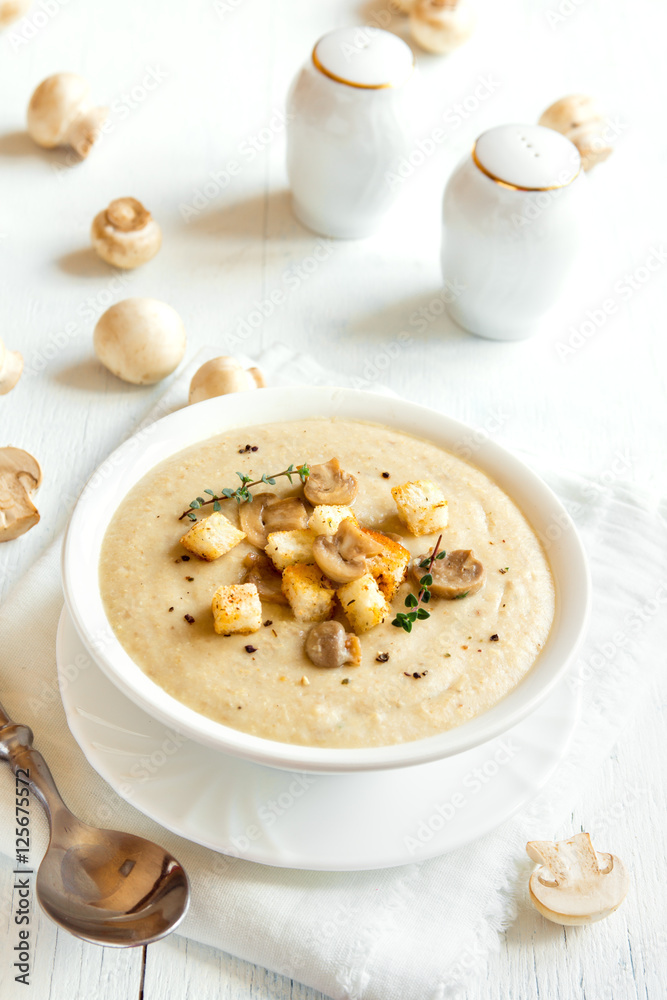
(527, 157)
(364, 57)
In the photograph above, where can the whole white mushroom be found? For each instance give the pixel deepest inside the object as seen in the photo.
(61, 113)
(11, 10)
(580, 118)
(125, 234)
(140, 340)
(440, 26)
(223, 375)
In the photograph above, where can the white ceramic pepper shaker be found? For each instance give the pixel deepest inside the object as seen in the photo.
(513, 218)
(348, 130)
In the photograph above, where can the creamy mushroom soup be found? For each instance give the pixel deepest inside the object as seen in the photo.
(472, 650)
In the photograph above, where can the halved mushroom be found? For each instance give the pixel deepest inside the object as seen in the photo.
(343, 556)
(329, 645)
(328, 483)
(268, 513)
(456, 575)
(575, 885)
(262, 573)
(11, 366)
(20, 477)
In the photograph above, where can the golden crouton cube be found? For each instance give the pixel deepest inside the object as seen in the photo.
(326, 517)
(421, 506)
(285, 548)
(236, 608)
(363, 603)
(212, 537)
(309, 592)
(389, 567)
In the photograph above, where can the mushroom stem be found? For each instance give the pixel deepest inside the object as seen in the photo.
(85, 129)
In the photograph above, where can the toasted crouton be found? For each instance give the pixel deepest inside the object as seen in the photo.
(309, 592)
(285, 548)
(390, 566)
(236, 609)
(326, 517)
(212, 537)
(421, 506)
(363, 603)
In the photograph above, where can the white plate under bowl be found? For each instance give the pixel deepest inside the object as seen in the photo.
(126, 466)
(323, 822)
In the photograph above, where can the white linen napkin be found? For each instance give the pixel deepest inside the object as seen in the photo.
(397, 934)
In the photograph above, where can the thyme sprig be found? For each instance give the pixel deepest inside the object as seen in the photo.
(242, 493)
(406, 619)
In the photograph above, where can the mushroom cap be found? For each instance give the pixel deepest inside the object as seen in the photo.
(455, 575)
(327, 483)
(220, 376)
(329, 645)
(11, 10)
(125, 234)
(591, 141)
(342, 557)
(53, 107)
(575, 885)
(570, 112)
(20, 477)
(267, 513)
(11, 367)
(440, 26)
(264, 575)
(140, 340)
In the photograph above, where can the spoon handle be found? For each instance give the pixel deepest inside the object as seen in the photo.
(28, 764)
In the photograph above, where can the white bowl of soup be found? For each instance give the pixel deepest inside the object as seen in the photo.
(480, 662)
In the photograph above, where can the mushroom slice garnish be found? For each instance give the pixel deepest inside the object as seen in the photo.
(457, 575)
(267, 513)
(343, 556)
(20, 477)
(262, 573)
(329, 484)
(329, 645)
(575, 884)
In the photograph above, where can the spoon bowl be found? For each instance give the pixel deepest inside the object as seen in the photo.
(103, 886)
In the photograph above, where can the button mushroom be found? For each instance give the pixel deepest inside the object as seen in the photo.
(262, 573)
(61, 113)
(268, 513)
(329, 645)
(575, 885)
(455, 575)
(11, 366)
(440, 26)
(328, 484)
(343, 556)
(581, 119)
(223, 375)
(11, 10)
(140, 340)
(125, 234)
(20, 477)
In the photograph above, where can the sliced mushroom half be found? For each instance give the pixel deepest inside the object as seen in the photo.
(329, 484)
(343, 556)
(268, 513)
(329, 645)
(458, 574)
(575, 884)
(20, 477)
(262, 573)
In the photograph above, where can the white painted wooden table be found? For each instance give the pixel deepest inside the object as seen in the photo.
(196, 92)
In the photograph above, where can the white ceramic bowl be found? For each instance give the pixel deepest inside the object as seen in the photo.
(127, 465)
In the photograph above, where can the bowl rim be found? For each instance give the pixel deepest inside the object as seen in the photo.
(158, 440)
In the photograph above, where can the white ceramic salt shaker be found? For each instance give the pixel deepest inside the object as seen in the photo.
(513, 217)
(348, 130)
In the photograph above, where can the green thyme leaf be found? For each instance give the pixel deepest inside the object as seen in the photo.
(411, 601)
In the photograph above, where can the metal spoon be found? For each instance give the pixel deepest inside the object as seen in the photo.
(101, 885)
